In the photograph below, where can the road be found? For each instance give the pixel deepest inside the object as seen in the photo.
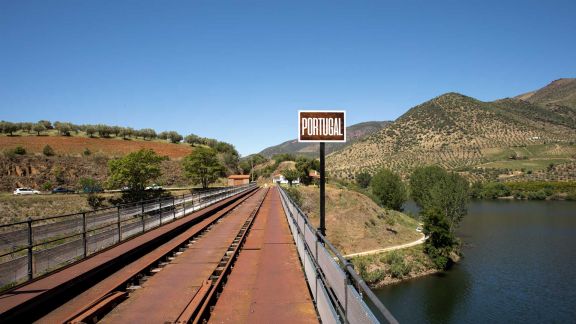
(388, 249)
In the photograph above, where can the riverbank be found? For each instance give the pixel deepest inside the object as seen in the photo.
(386, 268)
(528, 190)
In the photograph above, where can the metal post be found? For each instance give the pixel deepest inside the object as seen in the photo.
(30, 242)
(322, 228)
(119, 226)
(160, 209)
(84, 241)
(184, 204)
(142, 216)
(173, 208)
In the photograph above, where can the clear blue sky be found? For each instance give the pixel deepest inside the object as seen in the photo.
(239, 70)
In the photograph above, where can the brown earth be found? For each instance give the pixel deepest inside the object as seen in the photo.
(75, 145)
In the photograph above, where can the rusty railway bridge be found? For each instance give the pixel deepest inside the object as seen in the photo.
(232, 255)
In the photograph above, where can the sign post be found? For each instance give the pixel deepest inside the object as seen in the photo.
(322, 126)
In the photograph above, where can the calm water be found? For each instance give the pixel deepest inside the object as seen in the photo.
(519, 267)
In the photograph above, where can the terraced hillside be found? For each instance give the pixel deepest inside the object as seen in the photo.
(353, 133)
(460, 133)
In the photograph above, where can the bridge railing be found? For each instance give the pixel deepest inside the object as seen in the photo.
(340, 294)
(34, 247)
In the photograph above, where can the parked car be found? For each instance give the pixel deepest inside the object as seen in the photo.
(62, 190)
(154, 187)
(26, 191)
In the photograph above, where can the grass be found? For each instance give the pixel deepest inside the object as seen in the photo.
(355, 223)
(19, 208)
(389, 267)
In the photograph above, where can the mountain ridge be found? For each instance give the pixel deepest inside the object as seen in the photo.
(460, 132)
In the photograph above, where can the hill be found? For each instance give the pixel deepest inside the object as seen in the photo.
(353, 133)
(462, 133)
(76, 145)
(561, 92)
(355, 223)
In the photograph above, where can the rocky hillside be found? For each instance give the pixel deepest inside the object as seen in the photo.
(35, 171)
(561, 92)
(353, 133)
(461, 133)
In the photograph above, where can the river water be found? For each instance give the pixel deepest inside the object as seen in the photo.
(519, 266)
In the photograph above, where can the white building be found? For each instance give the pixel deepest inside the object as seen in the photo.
(279, 178)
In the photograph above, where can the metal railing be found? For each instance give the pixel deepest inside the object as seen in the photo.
(340, 294)
(37, 246)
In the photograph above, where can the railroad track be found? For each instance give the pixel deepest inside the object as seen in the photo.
(88, 290)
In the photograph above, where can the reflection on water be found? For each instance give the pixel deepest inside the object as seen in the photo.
(519, 266)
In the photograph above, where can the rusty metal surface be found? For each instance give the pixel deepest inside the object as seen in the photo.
(179, 281)
(27, 297)
(267, 284)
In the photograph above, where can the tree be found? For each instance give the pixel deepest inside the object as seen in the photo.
(443, 197)
(135, 171)
(48, 150)
(38, 128)
(47, 124)
(433, 188)
(174, 137)
(192, 139)
(304, 166)
(388, 188)
(9, 127)
(290, 175)
(421, 182)
(202, 166)
(90, 130)
(363, 179)
(441, 240)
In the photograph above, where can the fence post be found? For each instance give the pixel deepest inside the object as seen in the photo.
(84, 241)
(30, 242)
(184, 204)
(119, 226)
(142, 216)
(173, 208)
(160, 209)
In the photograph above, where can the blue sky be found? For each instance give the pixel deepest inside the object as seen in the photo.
(239, 70)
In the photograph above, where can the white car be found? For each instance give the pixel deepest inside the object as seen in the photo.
(26, 191)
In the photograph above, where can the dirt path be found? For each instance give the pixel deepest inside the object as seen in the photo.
(390, 248)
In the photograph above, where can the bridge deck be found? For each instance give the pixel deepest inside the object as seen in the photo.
(267, 284)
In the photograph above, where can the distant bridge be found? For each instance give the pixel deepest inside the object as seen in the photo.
(248, 255)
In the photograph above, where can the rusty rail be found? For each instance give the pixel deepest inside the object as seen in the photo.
(38, 246)
(142, 251)
(199, 310)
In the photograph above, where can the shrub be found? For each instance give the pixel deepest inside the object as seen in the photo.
(363, 179)
(48, 150)
(294, 194)
(20, 150)
(86, 152)
(47, 186)
(95, 201)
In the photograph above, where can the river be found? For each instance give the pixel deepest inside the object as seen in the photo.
(519, 266)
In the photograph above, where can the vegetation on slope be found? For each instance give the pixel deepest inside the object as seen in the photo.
(353, 133)
(458, 133)
(354, 222)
